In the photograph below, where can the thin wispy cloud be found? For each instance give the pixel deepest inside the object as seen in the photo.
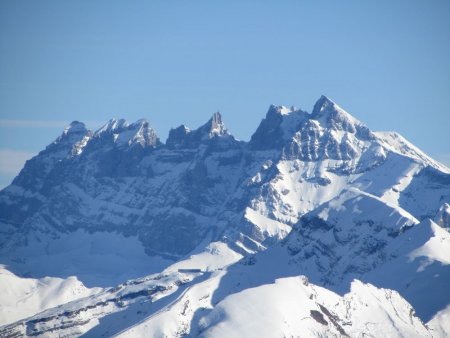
(4, 123)
(32, 124)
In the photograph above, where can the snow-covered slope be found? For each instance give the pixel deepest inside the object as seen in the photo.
(440, 324)
(23, 297)
(317, 194)
(292, 307)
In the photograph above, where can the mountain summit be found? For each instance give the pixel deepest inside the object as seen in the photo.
(185, 138)
(315, 204)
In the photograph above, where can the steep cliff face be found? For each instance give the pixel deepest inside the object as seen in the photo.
(121, 178)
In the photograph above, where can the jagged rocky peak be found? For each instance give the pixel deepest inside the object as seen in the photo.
(323, 104)
(183, 137)
(177, 136)
(71, 142)
(72, 134)
(76, 135)
(329, 132)
(75, 127)
(143, 134)
(126, 135)
(112, 125)
(280, 110)
(214, 127)
(330, 115)
(279, 125)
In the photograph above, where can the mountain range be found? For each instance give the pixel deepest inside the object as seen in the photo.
(315, 227)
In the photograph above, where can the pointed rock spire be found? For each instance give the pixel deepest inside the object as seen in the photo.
(327, 110)
(214, 127)
(183, 137)
(330, 115)
(323, 104)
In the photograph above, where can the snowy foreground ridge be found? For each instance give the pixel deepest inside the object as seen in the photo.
(316, 227)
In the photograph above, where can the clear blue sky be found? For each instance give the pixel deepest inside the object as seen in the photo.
(173, 62)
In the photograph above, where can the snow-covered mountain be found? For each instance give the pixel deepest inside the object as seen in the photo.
(317, 225)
